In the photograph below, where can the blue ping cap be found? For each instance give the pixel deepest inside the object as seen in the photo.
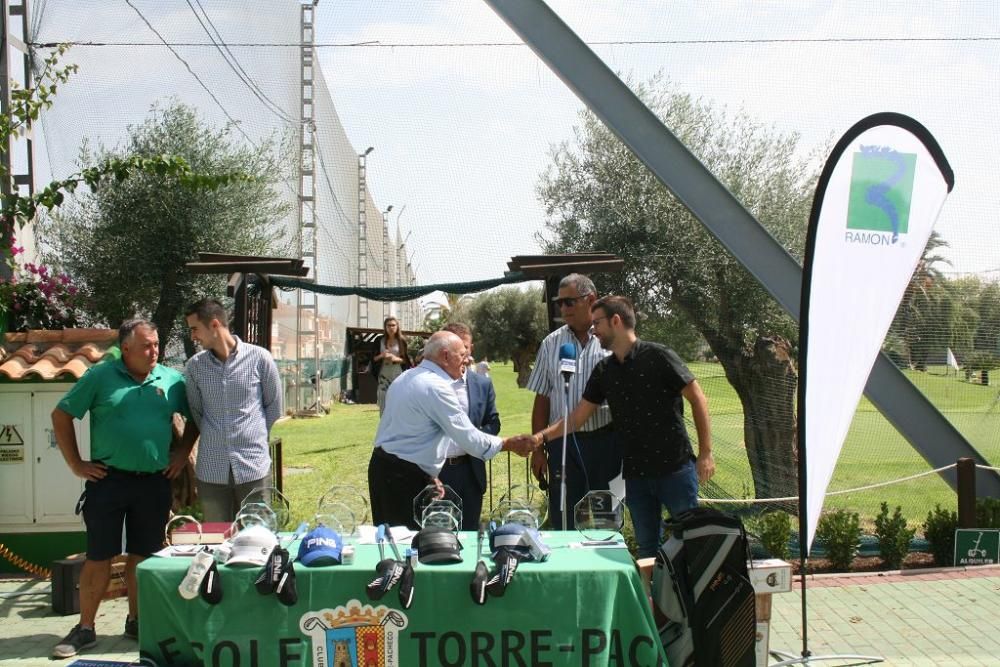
(322, 546)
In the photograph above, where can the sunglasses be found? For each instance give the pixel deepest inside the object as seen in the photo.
(566, 301)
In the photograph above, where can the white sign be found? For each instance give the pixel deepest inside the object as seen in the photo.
(876, 203)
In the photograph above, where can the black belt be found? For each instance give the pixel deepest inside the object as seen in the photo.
(456, 460)
(132, 473)
(395, 461)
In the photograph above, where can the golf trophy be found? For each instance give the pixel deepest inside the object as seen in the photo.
(599, 517)
(438, 507)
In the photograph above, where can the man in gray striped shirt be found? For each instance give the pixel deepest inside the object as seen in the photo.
(234, 393)
(593, 457)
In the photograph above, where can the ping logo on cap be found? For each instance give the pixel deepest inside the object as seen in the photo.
(322, 546)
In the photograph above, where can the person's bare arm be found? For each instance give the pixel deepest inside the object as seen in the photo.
(699, 412)
(62, 427)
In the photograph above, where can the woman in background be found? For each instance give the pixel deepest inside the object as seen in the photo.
(392, 358)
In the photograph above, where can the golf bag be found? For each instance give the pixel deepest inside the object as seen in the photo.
(702, 592)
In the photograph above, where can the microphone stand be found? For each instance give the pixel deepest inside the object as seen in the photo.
(565, 439)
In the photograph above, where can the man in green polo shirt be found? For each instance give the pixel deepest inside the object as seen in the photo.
(132, 402)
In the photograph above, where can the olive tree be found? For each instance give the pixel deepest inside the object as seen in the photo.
(129, 244)
(599, 196)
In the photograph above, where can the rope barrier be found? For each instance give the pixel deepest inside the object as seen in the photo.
(993, 468)
(23, 564)
(789, 499)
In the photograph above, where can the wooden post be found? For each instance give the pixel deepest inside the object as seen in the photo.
(966, 493)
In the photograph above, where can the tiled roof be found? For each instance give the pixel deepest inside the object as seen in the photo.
(50, 355)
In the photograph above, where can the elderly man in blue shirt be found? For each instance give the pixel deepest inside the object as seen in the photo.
(422, 415)
(234, 392)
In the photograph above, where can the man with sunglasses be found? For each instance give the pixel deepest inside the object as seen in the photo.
(593, 457)
(646, 384)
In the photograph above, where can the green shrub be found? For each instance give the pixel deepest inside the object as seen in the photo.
(893, 536)
(774, 529)
(190, 510)
(939, 529)
(840, 533)
(988, 513)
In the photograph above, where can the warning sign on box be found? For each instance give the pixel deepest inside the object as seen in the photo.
(11, 454)
(9, 435)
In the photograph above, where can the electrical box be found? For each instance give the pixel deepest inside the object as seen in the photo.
(38, 491)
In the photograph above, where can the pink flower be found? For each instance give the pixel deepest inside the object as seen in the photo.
(31, 267)
(16, 250)
(43, 271)
(64, 279)
(72, 289)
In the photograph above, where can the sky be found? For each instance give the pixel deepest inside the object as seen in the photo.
(463, 117)
(462, 133)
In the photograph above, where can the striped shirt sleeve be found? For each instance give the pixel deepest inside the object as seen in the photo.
(540, 381)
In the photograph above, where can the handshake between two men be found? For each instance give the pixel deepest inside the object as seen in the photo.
(522, 445)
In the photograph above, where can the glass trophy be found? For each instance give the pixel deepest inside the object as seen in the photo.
(434, 507)
(342, 508)
(521, 504)
(255, 514)
(272, 498)
(600, 516)
(186, 547)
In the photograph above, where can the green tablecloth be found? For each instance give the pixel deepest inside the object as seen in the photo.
(582, 607)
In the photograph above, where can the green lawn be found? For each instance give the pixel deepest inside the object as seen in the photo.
(334, 450)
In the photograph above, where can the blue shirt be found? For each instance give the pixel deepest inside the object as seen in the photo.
(235, 403)
(422, 414)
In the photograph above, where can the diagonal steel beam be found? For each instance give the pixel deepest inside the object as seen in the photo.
(906, 408)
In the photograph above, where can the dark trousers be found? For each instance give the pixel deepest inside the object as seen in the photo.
(593, 460)
(392, 485)
(459, 475)
(646, 497)
(140, 501)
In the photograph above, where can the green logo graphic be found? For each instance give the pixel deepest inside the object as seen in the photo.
(881, 190)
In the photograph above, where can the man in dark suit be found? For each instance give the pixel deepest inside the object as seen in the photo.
(465, 474)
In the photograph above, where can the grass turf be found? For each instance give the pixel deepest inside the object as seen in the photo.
(334, 450)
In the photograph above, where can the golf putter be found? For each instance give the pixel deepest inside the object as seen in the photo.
(388, 570)
(478, 586)
(406, 579)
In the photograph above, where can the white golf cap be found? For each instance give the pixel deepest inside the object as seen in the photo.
(252, 546)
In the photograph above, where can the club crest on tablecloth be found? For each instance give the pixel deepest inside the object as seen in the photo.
(354, 635)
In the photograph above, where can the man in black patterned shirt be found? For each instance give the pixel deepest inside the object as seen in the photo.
(645, 385)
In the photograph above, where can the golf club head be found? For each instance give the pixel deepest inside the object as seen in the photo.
(478, 586)
(389, 572)
(406, 586)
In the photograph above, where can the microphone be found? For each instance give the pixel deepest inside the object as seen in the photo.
(567, 361)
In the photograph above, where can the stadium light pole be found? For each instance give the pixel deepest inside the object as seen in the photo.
(363, 234)
(387, 306)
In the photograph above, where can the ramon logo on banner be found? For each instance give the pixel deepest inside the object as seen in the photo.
(878, 208)
(354, 635)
